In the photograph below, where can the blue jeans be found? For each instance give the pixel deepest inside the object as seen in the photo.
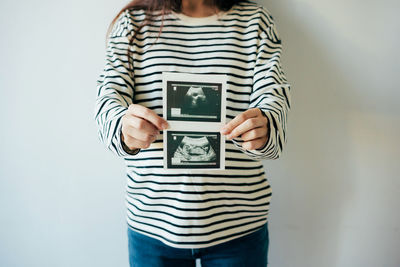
(250, 250)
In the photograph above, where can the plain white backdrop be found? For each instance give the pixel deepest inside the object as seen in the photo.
(335, 189)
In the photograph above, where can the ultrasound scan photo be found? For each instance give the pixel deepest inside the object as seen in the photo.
(193, 150)
(194, 106)
(193, 101)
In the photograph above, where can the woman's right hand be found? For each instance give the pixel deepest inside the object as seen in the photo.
(140, 126)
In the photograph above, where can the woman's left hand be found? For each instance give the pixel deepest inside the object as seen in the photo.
(251, 125)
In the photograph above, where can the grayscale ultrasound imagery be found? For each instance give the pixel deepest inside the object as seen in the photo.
(193, 101)
(193, 150)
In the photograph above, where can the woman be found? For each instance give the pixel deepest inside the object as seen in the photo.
(217, 216)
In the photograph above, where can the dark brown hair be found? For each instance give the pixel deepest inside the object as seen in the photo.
(163, 6)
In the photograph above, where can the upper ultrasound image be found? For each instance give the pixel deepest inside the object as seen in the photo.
(194, 101)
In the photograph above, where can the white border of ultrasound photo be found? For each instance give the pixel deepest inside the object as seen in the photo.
(196, 127)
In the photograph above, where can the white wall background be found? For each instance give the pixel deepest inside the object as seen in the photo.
(335, 189)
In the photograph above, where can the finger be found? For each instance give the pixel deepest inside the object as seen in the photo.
(139, 124)
(148, 114)
(239, 119)
(255, 133)
(139, 128)
(246, 126)
(254, 144)
(134, 143)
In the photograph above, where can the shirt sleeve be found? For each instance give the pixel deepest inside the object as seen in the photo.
(270, 91)
(115, 87)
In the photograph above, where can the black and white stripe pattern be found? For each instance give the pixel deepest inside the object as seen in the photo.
(193, 209)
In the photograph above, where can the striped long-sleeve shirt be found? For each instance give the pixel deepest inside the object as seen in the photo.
(191, 209)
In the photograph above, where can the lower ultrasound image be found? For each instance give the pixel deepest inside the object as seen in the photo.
(193, 150)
